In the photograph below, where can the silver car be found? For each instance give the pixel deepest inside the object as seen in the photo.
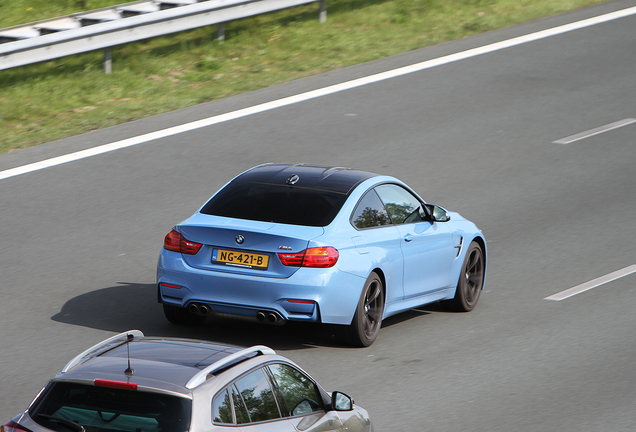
(134, 383)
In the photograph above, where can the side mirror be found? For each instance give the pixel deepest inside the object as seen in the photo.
(341, 401)
(438, 213)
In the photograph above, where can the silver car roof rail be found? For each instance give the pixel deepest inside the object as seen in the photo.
(119, 339)
(202, 376)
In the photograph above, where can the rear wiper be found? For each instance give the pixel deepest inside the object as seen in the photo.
(74, 426)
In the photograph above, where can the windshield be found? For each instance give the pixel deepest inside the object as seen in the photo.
(276, 203)
(105, 409)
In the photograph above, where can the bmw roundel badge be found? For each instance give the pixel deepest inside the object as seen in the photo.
(293, 180)
(240, 239)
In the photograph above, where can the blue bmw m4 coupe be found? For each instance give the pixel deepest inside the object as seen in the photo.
(317, 244)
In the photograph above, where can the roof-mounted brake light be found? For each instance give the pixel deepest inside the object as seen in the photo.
(115, 384)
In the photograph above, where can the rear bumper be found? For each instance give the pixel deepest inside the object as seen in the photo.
(310, 294)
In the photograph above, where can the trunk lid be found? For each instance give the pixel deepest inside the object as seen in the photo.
(244, 246)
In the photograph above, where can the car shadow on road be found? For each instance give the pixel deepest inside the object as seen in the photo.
(129, 306)
(404, 316)
(415, 313)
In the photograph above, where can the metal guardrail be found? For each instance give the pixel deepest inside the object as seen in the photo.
(130, 22)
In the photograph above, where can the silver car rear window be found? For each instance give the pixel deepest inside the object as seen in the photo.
(105, 409)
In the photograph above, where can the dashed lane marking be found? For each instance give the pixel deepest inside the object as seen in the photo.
(592, 284)
(596, 131)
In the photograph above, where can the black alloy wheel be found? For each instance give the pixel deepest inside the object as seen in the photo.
(367, 320)
(471, 280)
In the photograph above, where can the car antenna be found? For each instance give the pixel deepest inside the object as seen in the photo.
(130, 371)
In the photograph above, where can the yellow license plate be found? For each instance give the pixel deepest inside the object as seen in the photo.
(240, 259)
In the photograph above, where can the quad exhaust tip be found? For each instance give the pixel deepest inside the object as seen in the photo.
(200, 309)
(267, 317)
(264, 317)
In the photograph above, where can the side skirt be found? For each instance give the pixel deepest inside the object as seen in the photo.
(413, 302)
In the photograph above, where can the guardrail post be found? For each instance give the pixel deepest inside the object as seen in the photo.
(108, 62)
(323, 11)
(220, 31)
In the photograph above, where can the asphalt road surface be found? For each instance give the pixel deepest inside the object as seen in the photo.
(80, 240)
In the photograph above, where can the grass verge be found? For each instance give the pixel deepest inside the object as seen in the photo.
(69, 96)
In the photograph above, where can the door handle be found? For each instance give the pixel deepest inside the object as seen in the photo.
(408, 238)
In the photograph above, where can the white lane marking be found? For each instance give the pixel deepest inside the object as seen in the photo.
(592, 284)
(595, 131)
(316, 93)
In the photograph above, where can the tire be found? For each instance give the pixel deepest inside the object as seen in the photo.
(367, 320)
(181, 316)
(471, 281)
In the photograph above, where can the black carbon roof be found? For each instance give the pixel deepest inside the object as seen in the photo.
(333, 179)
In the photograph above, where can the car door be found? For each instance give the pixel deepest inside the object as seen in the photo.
(249, 404)
(427, 247)
(378, 240)
(275, 398)
(301, 400)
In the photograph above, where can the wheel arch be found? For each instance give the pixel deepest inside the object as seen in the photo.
(382, 277)
(482, 244)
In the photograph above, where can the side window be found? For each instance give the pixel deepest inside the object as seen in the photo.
(257, 394)
(298, 392)
(402, 206)
(239, 407)
(222, 409)
(370, 212)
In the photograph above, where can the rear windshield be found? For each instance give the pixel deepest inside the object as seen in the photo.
(276, 203)
(102, 409)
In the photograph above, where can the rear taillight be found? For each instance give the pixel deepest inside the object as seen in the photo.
(292, 259)
(13, 427)
(175, 242)
(322, 257)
